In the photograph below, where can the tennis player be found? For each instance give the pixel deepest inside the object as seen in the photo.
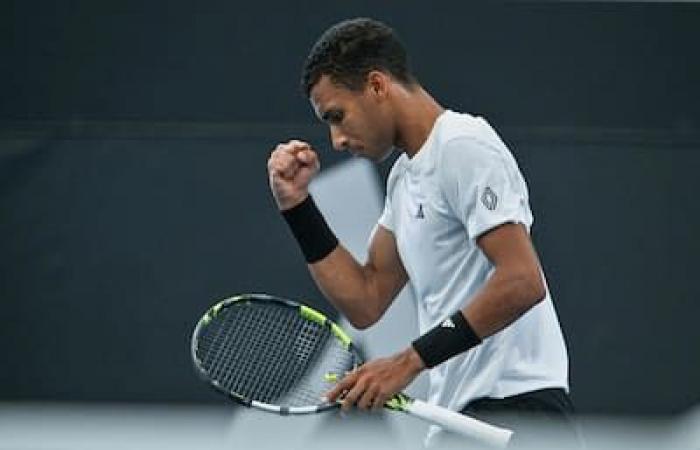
(455, 227)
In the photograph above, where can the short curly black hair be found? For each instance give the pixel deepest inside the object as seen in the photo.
(349, 50)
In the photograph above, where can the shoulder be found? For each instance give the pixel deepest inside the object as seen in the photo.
(467, 139)
(454, 125)
(468, 152)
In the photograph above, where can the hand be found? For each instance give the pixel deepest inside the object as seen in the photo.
(374, 383)
(291, 167)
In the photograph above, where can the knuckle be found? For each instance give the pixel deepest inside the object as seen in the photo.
(359, 389)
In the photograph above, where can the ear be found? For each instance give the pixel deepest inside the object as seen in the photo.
(378, 84)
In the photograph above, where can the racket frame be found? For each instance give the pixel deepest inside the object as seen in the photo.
(304, 311)
(453, 421)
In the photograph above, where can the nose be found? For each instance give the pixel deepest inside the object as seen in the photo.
(339, 140)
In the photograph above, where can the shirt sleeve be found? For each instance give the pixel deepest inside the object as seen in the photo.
(483, 185)
(387, 218)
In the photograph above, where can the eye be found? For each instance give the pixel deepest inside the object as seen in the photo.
(334, 116)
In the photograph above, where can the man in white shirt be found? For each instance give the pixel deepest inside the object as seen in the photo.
(455, 227)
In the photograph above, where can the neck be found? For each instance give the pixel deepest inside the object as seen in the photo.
(416, 114)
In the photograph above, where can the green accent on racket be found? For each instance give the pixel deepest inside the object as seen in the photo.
(280, 356)
(312, 315)
(399, 402)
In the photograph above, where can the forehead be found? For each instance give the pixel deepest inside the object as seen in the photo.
(327, 95)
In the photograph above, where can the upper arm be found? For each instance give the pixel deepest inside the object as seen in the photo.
(510, 250)
(384, 272)
(483, 185)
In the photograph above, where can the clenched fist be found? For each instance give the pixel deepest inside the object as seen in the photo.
(291, 167)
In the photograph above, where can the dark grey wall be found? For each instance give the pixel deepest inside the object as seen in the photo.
(133, 143)
(615, 228)
(611, 65)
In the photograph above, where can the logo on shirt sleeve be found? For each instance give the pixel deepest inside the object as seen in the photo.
(489, 199)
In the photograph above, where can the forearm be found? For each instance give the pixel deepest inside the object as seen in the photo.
(503, 299)
(349, 286)
(360, 292)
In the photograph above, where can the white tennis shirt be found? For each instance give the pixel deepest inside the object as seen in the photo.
(462, 183)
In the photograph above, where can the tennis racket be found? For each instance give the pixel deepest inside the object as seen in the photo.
(280, 356)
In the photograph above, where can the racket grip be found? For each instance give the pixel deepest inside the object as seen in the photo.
(459, 423)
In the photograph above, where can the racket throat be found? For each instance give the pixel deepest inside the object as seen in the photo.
(399, 402)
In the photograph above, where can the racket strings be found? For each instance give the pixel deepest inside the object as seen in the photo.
(307, 341)
(262, 353)
(337, 361)
(245, 368)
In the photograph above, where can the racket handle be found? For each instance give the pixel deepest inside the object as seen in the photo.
(459, 423)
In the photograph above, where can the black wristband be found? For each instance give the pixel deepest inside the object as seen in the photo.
(452, 337)
(311, 231)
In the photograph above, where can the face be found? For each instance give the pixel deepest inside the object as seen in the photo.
(360, 121)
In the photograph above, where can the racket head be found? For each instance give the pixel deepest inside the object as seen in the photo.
(271, 353)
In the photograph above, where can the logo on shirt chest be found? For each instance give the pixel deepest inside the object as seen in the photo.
(419, 213)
